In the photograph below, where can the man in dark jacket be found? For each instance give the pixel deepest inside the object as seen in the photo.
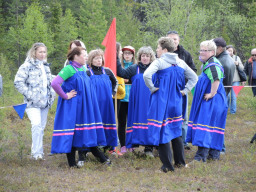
(182, 53)
(185, 56)
(229, 68)
(226, 61)
(250, 70)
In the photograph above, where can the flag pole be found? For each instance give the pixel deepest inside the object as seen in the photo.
(116, 112)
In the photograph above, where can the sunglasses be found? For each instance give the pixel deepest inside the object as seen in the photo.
(203, 51)
(253, 55)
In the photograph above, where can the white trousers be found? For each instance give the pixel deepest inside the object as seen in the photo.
(38, 119)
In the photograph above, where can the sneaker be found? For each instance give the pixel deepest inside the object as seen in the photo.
(112, 152)
(165, 169)
(38, 157)
(130, 149)
(107, 162)
(115, 152)
(149, 154)
(123, 149)
(119, 153)
(179, 165)
(41, 158)
(80, 164)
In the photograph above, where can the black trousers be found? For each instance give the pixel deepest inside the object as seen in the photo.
(95, 151)
(254, 88)
(82, 154)
(165, 154)
(122, 120)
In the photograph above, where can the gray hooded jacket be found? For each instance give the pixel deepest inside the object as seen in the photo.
(165, 61)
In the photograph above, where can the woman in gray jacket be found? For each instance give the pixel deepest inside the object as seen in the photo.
(33, 81)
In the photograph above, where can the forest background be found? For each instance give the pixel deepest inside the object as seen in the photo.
(139, 23)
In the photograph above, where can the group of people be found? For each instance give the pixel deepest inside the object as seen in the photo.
(152, 106)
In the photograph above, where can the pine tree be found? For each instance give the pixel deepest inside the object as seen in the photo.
(68, 31)
(92, 23)
(128, 27)
(34, 29)
(250, 31)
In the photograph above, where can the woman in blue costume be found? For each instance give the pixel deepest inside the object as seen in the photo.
(78, 121)
(137, 127)
(209, 107)
(105, 84)
(165, 105)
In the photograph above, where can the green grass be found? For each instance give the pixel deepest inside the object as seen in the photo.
(236, 171)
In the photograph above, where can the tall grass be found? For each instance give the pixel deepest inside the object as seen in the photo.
(235, 171)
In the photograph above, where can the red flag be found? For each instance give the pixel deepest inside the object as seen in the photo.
(237, 89)
(110, 43)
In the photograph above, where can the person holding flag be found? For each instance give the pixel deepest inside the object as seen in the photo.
(127, 59)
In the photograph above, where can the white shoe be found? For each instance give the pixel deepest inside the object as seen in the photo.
(38, 157)
(80, 164)
(149, 154)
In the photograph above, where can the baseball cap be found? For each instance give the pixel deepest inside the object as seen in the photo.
(220, 42)
(129, 48)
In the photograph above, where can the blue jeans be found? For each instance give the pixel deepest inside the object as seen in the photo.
(232, 103)
(185, 126)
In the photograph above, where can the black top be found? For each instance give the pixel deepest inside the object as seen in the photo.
(130, 71)
(186, 56)
(98, 71)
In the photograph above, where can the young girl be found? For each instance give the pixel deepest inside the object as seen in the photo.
(127, 60)
(78, 121)
(105, 85)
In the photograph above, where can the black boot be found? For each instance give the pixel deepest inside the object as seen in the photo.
(254, 137)
(72, 157)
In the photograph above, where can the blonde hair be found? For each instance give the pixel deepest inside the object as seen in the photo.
(148, 51)
(94, 53)
(210, 44)
(31, 54)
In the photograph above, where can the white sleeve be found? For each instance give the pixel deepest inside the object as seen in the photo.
(147, 76)
(191, 76)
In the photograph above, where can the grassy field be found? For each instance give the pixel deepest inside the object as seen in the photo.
(236, 170)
